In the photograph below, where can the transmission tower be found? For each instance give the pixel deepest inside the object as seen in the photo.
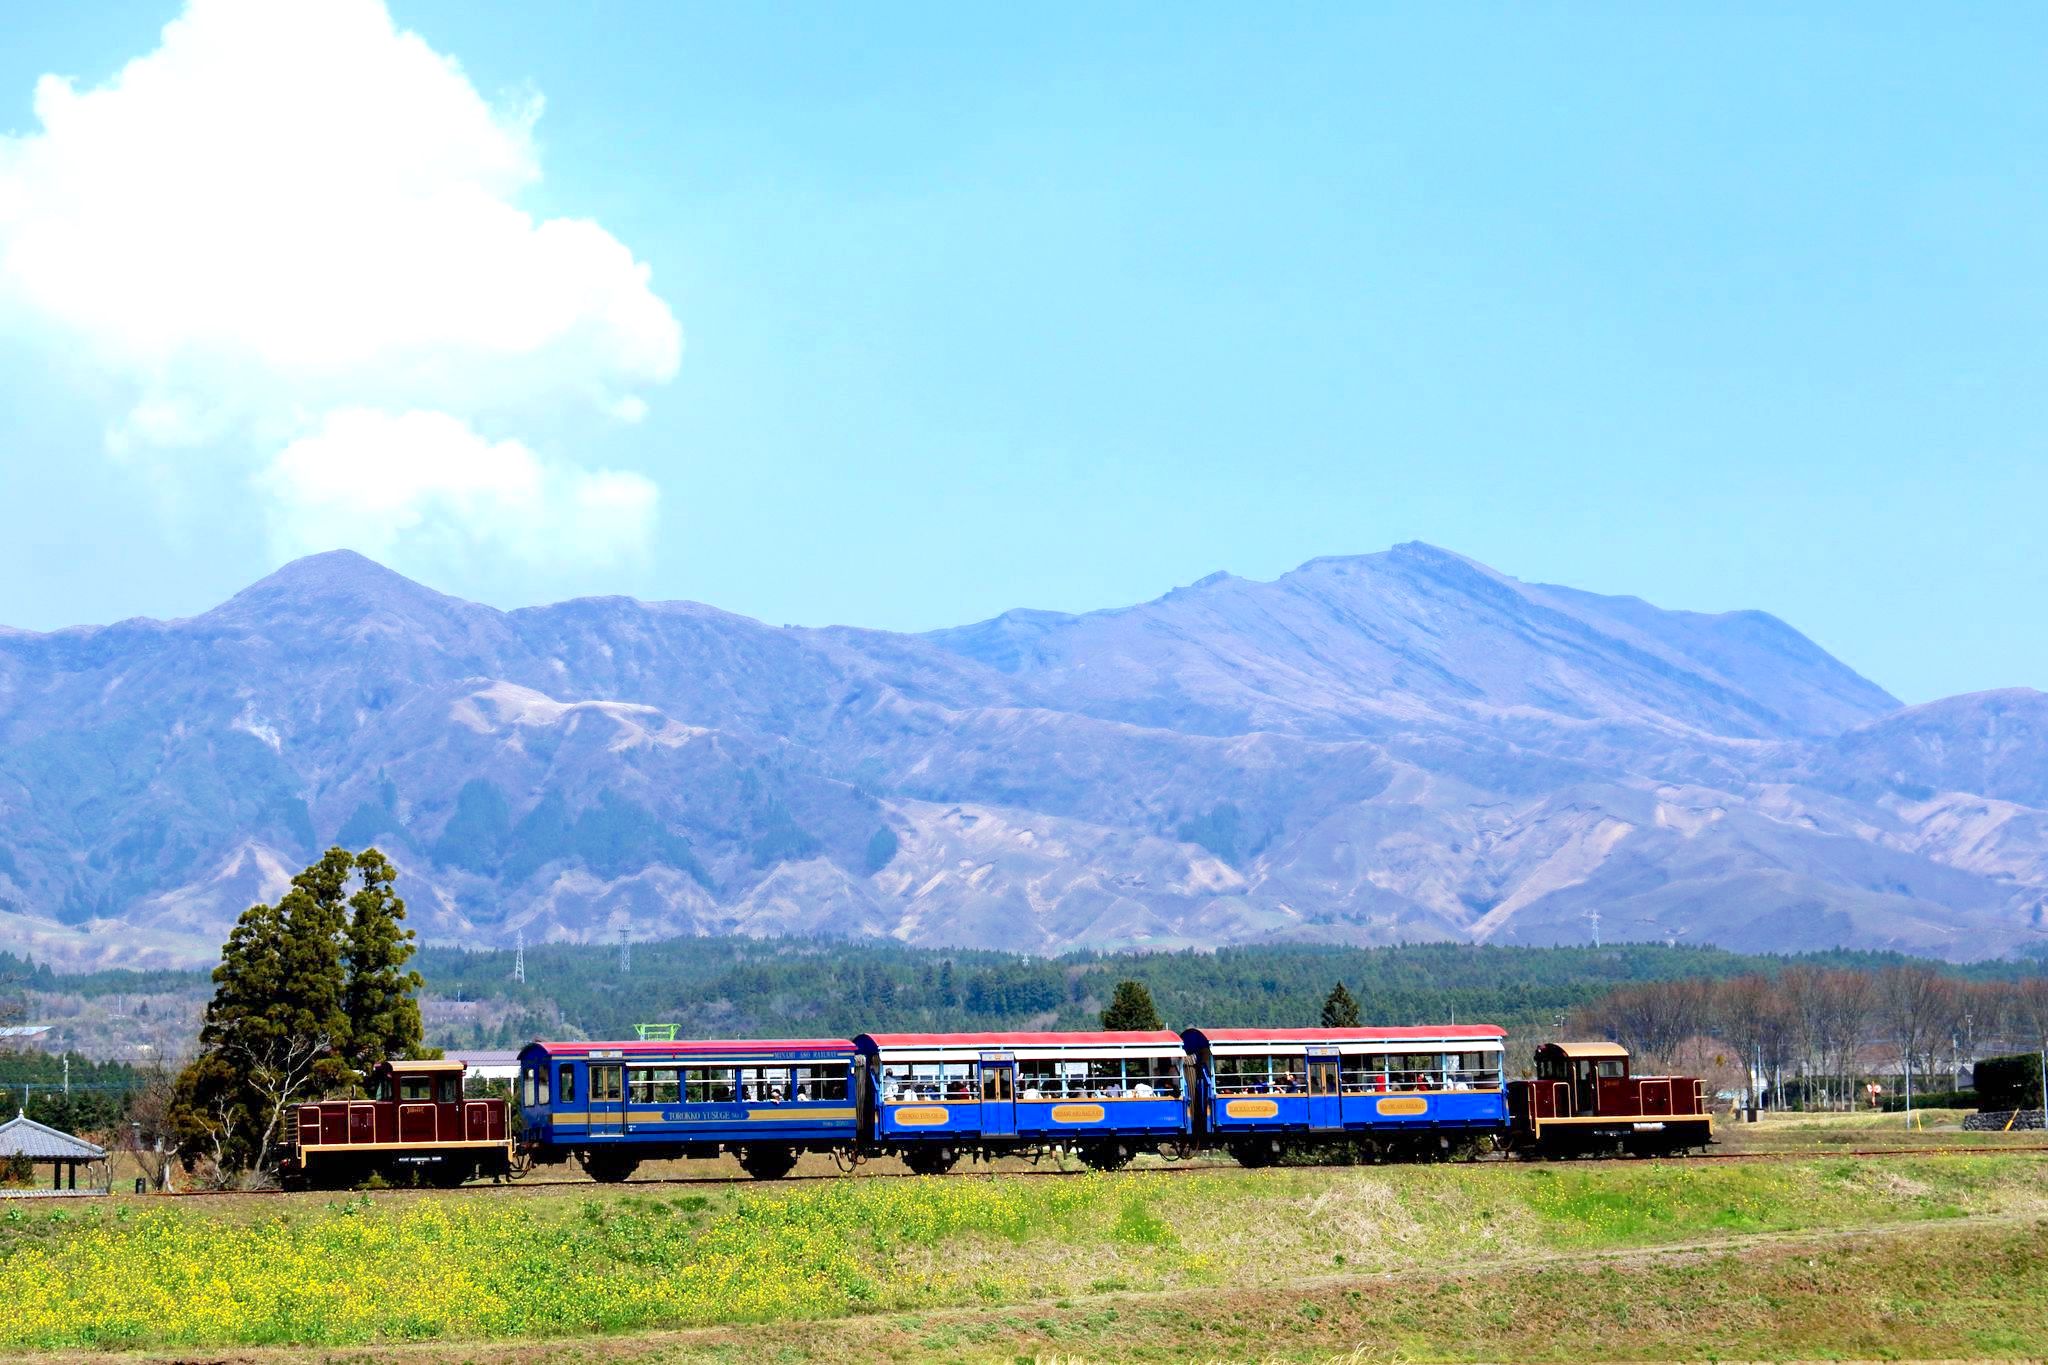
(1593, 917)
(519, 960)
(625, 953)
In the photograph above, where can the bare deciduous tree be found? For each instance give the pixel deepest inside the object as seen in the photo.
(1917, 1008)
(282, 1068)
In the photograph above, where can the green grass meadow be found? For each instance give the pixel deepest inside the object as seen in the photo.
(535, 1264)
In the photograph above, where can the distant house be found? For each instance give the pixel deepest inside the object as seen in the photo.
(22, 1138)
(24, 1033)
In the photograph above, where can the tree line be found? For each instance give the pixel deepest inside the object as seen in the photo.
(1812, 1034)
(840, 987)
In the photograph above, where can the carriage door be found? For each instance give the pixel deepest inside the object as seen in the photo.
(1325, 1089)
(607, 1098)
(998, 1094)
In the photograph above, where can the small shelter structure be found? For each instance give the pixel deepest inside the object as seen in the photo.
(23, 1138)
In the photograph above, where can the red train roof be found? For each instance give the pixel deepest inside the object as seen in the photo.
(1348, 1035)
(636, 1048)
(1156, 1037)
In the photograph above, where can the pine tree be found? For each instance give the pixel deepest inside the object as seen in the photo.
(1131, 1009)
(380, 1000)
(1339, 1009)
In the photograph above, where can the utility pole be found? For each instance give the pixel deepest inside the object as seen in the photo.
(67, 1075)
(519, 960)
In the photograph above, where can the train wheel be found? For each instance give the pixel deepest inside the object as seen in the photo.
(930, 1160)
(609, 1168)
(1104, 1156)
(1255, 1152)
(767, 1162)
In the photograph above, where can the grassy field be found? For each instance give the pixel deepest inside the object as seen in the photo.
(1822, 1255)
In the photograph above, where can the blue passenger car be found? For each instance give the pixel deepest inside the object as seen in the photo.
(614, 1105)
(936, 1096)
(1394, 1091)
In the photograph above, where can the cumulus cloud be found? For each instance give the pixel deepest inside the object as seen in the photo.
(292, 216)
(394, 477)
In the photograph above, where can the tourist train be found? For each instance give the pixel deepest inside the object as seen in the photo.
(935, 1099)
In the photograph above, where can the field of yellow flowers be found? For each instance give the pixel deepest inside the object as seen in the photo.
(520, 1264)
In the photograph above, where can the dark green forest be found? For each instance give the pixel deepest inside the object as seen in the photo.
(738, 986)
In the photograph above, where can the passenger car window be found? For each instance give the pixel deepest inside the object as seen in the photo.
(567, 1085)
(653, 1085)
(820, 1083)
(708, 1085)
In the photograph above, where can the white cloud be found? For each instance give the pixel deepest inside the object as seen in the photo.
(375, 480)
(291, 209)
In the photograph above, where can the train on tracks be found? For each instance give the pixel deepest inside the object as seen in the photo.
(935, 1099)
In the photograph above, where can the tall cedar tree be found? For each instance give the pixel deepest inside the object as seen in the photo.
(1339, 1009)
(303, 994)
(382, 1003)
(1131, 1008)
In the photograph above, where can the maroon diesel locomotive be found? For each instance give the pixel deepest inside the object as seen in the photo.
(415, 1122)
(1583, 1101)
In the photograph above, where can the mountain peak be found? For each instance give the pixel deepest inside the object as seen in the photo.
(338, 580)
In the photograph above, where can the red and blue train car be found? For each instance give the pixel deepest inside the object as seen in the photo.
(934, 1097)
(614, 1105)
(1388, 1091)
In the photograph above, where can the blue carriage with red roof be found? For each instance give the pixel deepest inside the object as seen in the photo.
(1400, 1092)
(614, 1105)
(932, 1098)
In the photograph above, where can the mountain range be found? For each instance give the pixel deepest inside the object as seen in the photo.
(1370, 749)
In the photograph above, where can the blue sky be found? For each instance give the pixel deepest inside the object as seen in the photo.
(1055, 308)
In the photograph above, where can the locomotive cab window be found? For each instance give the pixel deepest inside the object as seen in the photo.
(415, 1089)
(448, 1090)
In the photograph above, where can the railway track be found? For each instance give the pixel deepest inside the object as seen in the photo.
(1174, 1168)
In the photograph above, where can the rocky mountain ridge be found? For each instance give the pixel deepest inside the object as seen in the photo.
(1371, 748)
